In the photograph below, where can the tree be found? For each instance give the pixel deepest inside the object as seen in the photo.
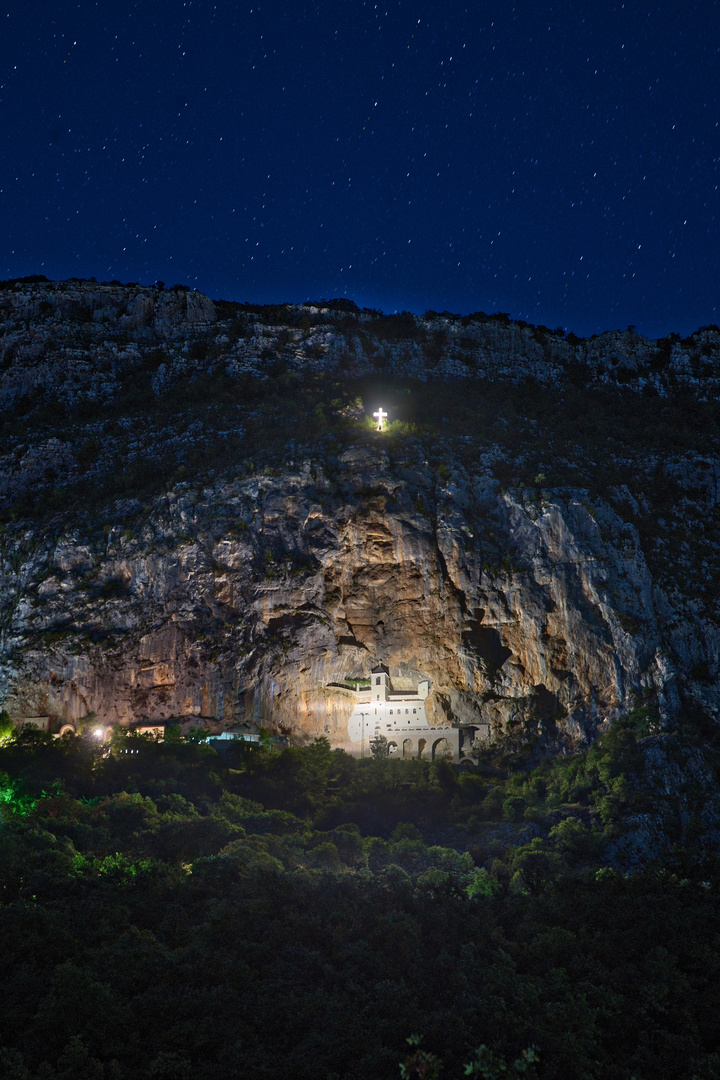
(197, 734)
(493, 1067)
(76, 1063)
(380, 747)
(7, 728)
(12, 1065)
(486, 1064)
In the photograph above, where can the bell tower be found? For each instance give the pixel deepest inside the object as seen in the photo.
(380, 681)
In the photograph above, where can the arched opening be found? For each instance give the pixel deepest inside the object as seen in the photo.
(407, 748)
(67, 728)
(392, 748)
(422, 743)
(442, 749)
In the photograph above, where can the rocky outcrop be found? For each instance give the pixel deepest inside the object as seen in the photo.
(280, 590)
(78, 341)
(247, 592)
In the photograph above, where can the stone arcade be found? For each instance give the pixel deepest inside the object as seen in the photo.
(400, 717)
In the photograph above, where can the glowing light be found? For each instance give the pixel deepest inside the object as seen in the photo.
(381, 415)
(99, 733)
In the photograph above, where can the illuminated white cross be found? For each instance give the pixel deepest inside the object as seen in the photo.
(380, 417)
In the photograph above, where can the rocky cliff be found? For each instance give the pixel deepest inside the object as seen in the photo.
(199, 520)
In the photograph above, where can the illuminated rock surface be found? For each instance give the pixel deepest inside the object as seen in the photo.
(243, 590)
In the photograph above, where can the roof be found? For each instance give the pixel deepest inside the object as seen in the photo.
(380, 669)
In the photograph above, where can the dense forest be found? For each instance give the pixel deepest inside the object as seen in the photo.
(170, 912)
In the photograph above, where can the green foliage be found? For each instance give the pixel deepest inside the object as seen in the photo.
(493, 1067)
(7, 728)
(196, 735)
(420, 1063)
(13, 796)
(574, 838)
(118, 866)
(86, 724)
(482, 884)
(184, 869)
(513, 807)
(380, 747)
(485, 1063)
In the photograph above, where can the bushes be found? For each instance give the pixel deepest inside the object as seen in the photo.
(184, 888)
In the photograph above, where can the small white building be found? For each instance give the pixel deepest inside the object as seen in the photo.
(40, 723)
(240, 733)
(400, 717)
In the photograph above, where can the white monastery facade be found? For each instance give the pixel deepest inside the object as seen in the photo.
(400, 717)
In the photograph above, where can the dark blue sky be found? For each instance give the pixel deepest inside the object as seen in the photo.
(559, 161)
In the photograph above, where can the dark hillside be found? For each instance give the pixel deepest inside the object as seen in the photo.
(202, 531)
(171, 913)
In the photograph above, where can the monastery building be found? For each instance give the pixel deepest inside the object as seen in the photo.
(400, 717)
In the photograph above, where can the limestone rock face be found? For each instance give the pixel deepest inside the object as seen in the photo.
(80, 340)
(76, 340)
(256, 586)
(284, 590)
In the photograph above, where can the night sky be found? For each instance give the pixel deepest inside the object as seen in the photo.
(558, 161)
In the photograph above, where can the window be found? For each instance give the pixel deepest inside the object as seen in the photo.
(391, 712)
(414, 710)
(377, 681)
(407, 711)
